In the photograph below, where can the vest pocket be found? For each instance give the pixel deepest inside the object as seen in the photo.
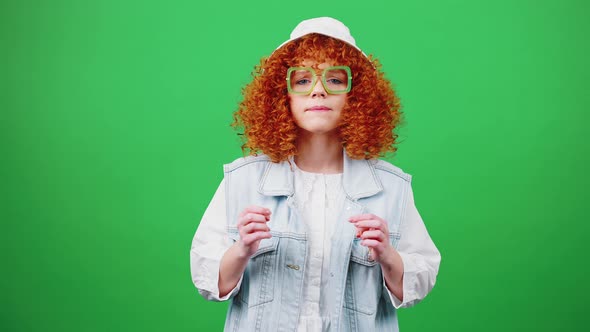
(364, 284)
(266, 245)
(258, 280)
(360, 254)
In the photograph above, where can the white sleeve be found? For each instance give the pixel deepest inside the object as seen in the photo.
(420, 256)
(208, 247)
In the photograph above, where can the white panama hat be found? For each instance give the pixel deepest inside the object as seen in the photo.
(325, 26)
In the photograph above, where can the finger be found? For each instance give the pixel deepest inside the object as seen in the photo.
(247, 212)
(371, 223)
(256, 209)
(252, 217)
(254, 227)
(250, 239)
(373, 235)
(365, 216)
(373, 244)
(360, 231)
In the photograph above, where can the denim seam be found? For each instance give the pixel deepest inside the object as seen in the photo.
(228, 168)
(397, 172)
(344, 272)
(403, 209)
(352, 317)
(290, 235)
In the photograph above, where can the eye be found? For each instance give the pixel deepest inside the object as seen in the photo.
(334, 81)
(303, 81)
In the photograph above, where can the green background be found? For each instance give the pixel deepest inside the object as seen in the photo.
(115, 125)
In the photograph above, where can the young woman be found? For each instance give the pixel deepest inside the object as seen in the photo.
(312, 232)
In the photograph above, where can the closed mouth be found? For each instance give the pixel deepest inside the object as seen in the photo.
(319, 108)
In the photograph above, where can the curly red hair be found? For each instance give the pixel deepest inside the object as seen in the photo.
(371, 114)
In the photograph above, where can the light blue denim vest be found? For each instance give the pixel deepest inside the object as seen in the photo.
(270, 295)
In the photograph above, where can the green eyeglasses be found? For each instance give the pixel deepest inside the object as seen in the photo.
(336, 80)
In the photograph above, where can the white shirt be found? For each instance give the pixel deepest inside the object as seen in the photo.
(319, 200)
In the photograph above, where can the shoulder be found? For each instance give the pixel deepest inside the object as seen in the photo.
(260, 160)
(386, 169)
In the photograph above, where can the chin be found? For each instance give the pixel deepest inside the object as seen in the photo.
(319, 130)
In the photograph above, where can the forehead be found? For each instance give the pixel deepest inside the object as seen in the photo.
(316, 65)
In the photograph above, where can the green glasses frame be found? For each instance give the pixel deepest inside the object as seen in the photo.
(315, 80)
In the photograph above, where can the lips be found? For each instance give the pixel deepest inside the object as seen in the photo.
(319, 109)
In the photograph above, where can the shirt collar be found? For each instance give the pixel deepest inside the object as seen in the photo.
(358, 179)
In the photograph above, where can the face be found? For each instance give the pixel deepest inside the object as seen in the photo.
(318, 112)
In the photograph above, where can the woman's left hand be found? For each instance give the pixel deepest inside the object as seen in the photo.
(374, 234)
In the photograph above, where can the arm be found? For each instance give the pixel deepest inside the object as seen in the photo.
(252, 228)
(217, 263)
(409, 272)
(210, 243)
(374, 234)
(420, 257)
(392, 267)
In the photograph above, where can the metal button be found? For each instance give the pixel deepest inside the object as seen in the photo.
(370, 255)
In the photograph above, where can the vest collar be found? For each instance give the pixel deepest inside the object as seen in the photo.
(358, 179)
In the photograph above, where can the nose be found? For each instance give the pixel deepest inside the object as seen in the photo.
(318, 89)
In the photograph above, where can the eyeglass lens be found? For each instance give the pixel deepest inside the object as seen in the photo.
(303, 80)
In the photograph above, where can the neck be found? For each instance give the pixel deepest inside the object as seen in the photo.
(319, 153)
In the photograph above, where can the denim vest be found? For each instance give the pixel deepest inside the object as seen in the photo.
(270, 295)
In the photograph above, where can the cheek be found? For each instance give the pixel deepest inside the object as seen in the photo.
(293, 109)
(342, 103)
(295, 104)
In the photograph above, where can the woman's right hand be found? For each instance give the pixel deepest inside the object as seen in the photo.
(252, 228)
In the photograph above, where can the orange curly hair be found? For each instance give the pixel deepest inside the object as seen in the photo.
(369, 118)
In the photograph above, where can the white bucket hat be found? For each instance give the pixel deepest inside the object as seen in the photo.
(325, 26)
